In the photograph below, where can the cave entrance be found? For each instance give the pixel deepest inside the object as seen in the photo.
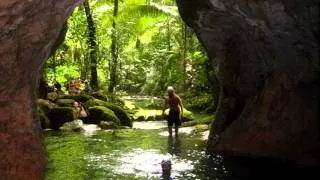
(116, 59)
(277, 65)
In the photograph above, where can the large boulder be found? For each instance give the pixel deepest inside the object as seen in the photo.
(118, 111)
(101, 113)
(45, 105)
(65, 102)
(28, 30)
(43, 109)
(76, 125)
(266, 58)
(60, 115)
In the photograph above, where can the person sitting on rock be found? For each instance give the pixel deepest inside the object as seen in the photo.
(74, 87)
(83, 114)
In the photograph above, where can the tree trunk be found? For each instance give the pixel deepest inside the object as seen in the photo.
(92, 46)
(54, 61)
(114, 52)
(184, 54)
(168, 35)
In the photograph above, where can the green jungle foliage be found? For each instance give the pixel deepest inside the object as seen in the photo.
(134, 47)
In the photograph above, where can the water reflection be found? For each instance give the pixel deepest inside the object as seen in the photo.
(174, 145)
(128, 154)
(151, 125)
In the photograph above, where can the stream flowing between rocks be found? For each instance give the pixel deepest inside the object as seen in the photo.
(137, 154)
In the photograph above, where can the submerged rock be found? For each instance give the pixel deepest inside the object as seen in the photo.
(75, 125)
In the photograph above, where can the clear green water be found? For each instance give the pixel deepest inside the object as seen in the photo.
(137, 154)
(129, 154)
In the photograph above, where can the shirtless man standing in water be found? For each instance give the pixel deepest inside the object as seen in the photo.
(175, 112)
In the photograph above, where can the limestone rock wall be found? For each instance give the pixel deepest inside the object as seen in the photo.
(267, 61)
(28, 30)
(266, 56)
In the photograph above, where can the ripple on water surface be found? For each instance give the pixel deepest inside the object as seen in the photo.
(129, 154)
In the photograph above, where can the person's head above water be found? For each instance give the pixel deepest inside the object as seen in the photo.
(170, 91)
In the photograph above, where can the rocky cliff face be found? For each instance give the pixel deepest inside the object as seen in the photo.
(266, 56)
(28, 30)
(267, 61)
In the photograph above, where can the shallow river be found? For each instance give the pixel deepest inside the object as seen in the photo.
(136, 154)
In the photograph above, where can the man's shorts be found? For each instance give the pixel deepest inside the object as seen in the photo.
(174, 118)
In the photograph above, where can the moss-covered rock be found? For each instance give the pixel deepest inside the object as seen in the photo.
(45, 105)
(65, 102)
(108, 125)
(111, 98)
(118, 111)
(147, 113)
(80, 98)
(44, 121)
(150, 118)
(59, 115)
(140, 118)
(158, 117)
(53, 96)
(201, 128)
(75, 125)
(99, 95)
(101, 113)
(201, 119)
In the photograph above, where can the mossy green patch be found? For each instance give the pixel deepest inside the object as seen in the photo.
(101, 113)
(53, 96)
(118, 111)
(201, 127)
(147, 113)
(108, 125)
(154, 114)
(65, 102)
(205, 119)
(108, 97)
(80, 98)
(45, 105)
(129, 105)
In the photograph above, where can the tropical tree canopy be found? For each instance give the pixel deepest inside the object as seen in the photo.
(135, 47)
